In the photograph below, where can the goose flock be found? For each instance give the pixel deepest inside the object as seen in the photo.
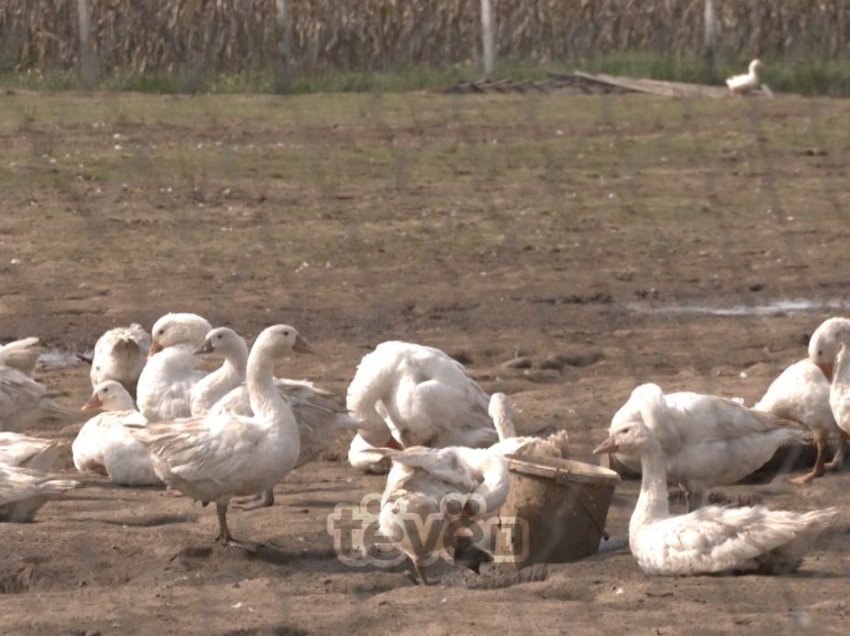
(417, 416)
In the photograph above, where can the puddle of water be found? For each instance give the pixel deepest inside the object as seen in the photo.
(782, 305)
(58, 359)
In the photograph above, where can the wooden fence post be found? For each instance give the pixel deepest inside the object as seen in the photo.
(709, 34)
(284, 70)
(88, 74)
(488, 36)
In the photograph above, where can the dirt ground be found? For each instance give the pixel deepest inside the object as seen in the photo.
(612, 241)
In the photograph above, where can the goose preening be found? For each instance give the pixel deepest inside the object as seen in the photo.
(25, 402)
(24, 490)
(21, 354)
(713, 539)
(165, 384)
(801, 393)
(361, 456)
(502, 413)
(708, 440)
(105, 444)
(120, 354)
(36, 453)
(828, 349)
(224, 391)
(433, 495)
(740, 84)
(427, 394)
(219, 456)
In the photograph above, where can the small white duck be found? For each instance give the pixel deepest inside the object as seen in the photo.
(713, 539)
(217, 457)
(224, 391)
(708, 440)
(105, 444)
(166, 382)
(501, 411)
(740, 84)
(36, 453)
(434, 495)
(120, 354)
(25, 402)
(24, 490)
(801, 394)
(428, 396)
(21, 354)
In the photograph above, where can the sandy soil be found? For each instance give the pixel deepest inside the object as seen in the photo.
(587, 234)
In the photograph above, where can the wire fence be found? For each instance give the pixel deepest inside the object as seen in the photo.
(609, 240)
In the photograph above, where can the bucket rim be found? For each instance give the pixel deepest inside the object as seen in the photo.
(563, 469)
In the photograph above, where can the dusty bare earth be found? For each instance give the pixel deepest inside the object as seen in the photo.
(588, 234)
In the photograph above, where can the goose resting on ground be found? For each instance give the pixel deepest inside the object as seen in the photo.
(23, 491)
(708, 440)
(25, 402)
(120, 354)
(217, 457)
(501, 411)
(21, 355)
(801, 394)
(224, 391)
(428, 396)
(450, 487)
(36, 453)
(105, 443)
(713, 539)
(166, 382)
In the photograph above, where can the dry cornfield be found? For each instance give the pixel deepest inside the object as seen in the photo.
(233, 35)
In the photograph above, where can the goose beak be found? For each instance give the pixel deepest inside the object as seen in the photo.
(205, 348)
(93, 404)
(826, 368)
(301, 345)
(608, 446)
(155, 348)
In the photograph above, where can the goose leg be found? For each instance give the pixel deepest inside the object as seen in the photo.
(838, 459)
(819, 468)
(264, 500)
(224, 537)
(693, 499)
(417, 568)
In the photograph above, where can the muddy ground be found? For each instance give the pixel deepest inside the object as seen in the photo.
(610, 240)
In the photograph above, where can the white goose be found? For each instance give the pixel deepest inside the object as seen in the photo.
(217, 457)
(36, 453)
(708, 440)
(433, 495)
(801, 394)
(428, 396)
(224, 392)
(740, 84)
(119, 354)
(501, 411)
(166, 382)
(25, 402)
(828, 349)
(24, 490)
(105, 443)
(713, 539)
(21, 354)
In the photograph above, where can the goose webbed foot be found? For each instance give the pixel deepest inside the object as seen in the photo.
(805, 478)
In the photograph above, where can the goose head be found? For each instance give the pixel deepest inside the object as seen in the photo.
(825, 342)
(278, 340)
(176, 329)
(110, 396)
(630, 437)
(755, 66)
(223, 341)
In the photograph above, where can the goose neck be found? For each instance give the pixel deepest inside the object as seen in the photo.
(652, 504)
